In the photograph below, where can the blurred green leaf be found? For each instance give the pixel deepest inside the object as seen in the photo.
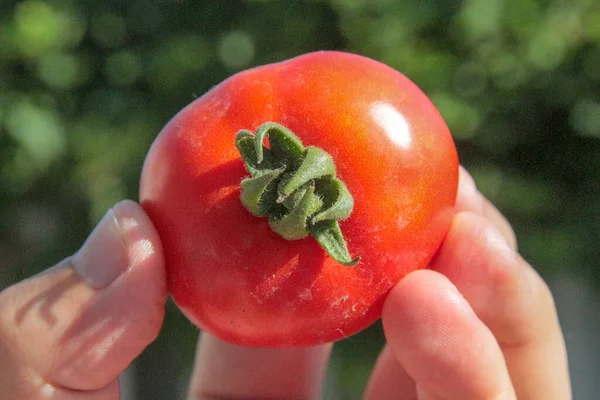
(38, 131)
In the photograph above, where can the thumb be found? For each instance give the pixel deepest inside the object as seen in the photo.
(79, 324)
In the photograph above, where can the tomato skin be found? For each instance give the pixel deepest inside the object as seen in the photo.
(235, 278)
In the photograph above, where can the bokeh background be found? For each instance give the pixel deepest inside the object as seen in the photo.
(85, 85)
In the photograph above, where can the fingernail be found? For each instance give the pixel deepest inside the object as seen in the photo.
(103, 256)
(468, 197)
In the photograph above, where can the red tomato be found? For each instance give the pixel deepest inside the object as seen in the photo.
(234, 277)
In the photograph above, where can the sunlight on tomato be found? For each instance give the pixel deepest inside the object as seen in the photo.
(228, 271)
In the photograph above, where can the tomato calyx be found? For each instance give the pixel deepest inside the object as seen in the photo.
(296, 188)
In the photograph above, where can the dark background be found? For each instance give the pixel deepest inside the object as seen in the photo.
(85, 86)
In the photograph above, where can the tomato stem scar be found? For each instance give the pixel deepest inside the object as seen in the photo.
(296, 188)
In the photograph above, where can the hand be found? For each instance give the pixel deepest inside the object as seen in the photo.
(68, 332)
(480, 324)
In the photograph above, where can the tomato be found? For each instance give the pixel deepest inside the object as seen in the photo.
(235, 277)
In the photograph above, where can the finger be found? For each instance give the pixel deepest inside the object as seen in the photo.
(227, 371)
(389, 380)
(79, 324)
(470, 199)
(388, 377)
(509, 296)
(435, 335)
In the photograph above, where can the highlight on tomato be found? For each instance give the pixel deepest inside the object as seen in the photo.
(292, 197)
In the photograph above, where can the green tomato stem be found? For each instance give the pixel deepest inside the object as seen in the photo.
(296, 188)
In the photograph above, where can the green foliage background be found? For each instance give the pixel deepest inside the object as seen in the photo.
(85, 86)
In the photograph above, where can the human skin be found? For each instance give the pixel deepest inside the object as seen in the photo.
(480, 323)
